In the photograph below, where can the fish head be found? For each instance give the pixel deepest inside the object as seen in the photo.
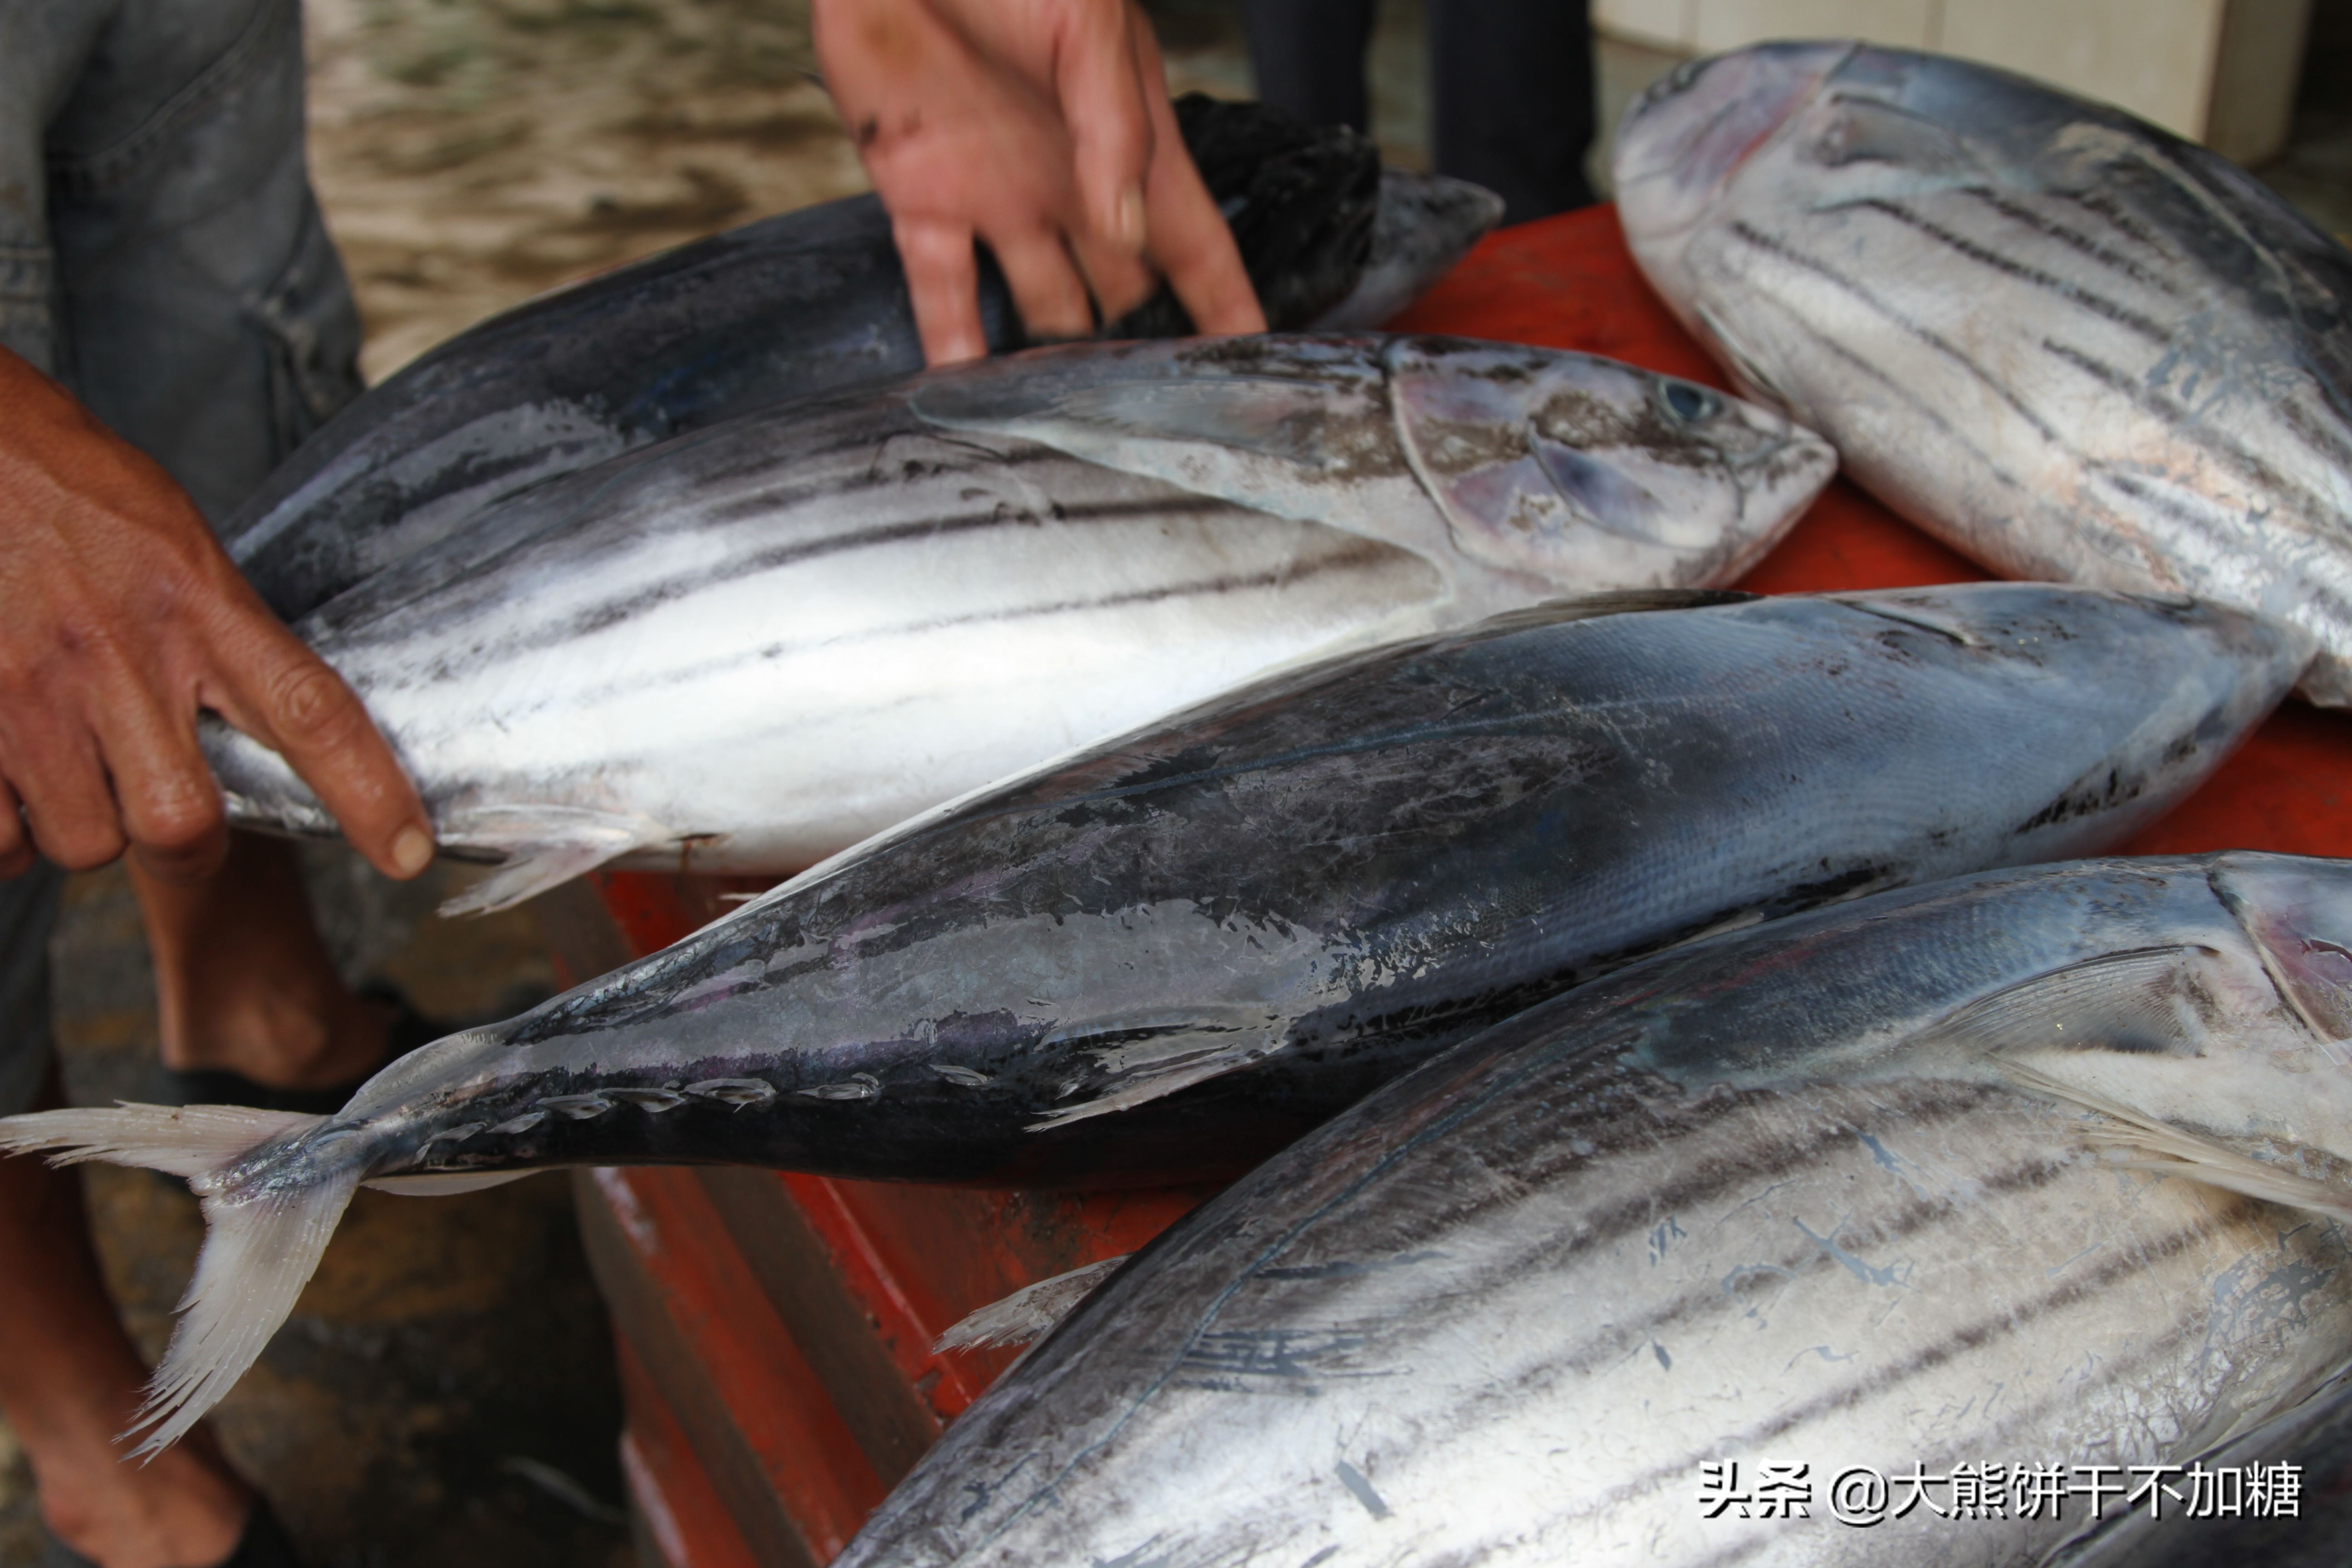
(2298, 914)
(1544, 462)
(1685, 138)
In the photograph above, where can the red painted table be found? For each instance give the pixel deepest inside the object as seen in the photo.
(775, 1330)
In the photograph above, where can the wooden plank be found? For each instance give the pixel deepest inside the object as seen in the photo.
(777, 1453)
(674, 1512)
(843, 1339)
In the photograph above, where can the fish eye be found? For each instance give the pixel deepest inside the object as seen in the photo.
(1690, 404)
(1682, 75)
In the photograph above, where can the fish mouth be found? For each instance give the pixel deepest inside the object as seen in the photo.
(1690, 131)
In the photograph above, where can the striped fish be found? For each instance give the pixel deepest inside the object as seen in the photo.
(2035, 1168)
(2072, 345)
(745, 649)
(1173, 952)
(805, 302)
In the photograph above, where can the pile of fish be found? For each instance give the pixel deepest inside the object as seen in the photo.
(746, 649)
(1171, 953)
(1657, 1056)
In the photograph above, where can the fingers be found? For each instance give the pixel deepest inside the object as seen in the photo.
(943, 281)
(1190, 242)
(66, 805)
(284, 696)
(1107, 104)
(165, 796)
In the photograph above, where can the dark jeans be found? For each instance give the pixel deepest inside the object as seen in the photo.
(161, 255)
(1510, 90)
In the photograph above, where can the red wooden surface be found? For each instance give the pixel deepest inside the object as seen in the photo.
(855, 1278)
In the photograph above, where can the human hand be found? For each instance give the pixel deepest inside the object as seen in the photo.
(123, 617)
(1044, 128)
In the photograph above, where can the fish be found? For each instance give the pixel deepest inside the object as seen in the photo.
(747, 649)
(2043, 1167)
(1171, 954)
(805, 302)
(2066, 342)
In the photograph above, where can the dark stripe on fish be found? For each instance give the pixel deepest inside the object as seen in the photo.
(2075, 293)
(1934, 340)
(1925, 410)
(2157, 406)
(1928, 1358)
(1362, 552)
(2114, 215)
(2075, 240)
(613, 612)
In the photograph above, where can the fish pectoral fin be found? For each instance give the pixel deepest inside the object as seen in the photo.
(544, 847)
(2168, 1149)
(1030, 1313)
(2128, 1003)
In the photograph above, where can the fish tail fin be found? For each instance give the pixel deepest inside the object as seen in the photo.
(262, 1240)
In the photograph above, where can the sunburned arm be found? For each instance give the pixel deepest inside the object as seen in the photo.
(1044, 128)
(124, 619)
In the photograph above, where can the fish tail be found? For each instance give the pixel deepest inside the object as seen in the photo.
(262, 1237)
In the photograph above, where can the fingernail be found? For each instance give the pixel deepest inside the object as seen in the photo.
(412, 850)
(1128, 221)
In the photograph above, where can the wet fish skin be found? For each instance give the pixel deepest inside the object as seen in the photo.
(791, 306)
(1175, 951)
(1819, 1192)
(1225, 927)
(2068, 343)
(987, 566)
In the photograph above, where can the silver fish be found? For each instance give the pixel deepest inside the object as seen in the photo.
(2070, 344)
(805, 302)
(746, 649)
(1171, 954)
(1997, 1171)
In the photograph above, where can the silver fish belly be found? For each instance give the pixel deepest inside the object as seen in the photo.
(746, 649)
(2072, 345)
(1173, 952)
(1830, 1193)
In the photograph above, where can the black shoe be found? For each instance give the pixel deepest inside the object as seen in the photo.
(263, 1545)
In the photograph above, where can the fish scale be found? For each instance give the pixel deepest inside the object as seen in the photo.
(1747, 1201)
(2071, 345)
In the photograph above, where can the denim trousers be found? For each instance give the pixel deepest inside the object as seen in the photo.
(161, 255)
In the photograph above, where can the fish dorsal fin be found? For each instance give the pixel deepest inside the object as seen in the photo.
(2141, 1002)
